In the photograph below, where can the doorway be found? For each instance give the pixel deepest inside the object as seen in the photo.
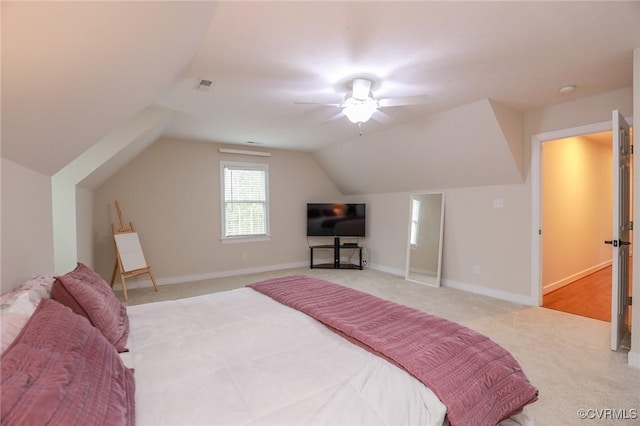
(576, 214)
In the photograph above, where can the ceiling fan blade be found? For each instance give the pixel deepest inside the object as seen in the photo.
(333, 118)
(407, 100)
(318, 103)
(382, 117)
(361, 88)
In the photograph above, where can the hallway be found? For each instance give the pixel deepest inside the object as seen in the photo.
(589, 296)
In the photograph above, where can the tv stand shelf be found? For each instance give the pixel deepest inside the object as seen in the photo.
(336, 256)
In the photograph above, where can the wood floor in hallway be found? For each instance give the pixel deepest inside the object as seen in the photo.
(589, 296)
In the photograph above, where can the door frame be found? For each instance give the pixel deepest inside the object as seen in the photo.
(536, 196)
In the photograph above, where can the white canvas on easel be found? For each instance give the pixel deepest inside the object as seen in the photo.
(130, 259)
(130, 251)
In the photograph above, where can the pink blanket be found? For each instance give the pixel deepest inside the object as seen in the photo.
(478, 380)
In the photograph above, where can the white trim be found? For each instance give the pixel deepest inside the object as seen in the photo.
(633, 359)
(248, 239)
(573, 277)
(245, 152)
(536, 221)
(498, 294)
(212, 275)
(382, 268)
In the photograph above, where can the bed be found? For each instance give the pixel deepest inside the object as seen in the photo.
(245, 357)
(288, 351)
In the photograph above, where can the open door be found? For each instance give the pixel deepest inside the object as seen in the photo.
(621, 264)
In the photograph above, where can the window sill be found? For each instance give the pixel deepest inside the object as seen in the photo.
(250, 239)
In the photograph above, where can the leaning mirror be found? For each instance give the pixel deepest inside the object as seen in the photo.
(424, 248)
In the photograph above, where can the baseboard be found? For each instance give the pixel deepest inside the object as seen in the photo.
(392, 271)
(146, 282)
(571, 278)
(634, 359)
(498, 294)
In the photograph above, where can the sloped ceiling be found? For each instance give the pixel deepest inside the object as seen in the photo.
(74, 71)
(462, 147)
(114, 151)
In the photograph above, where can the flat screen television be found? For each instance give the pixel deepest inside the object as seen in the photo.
(336, 219)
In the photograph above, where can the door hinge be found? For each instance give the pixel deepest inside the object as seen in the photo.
(631, 149)
(630, 300)
(631, 226)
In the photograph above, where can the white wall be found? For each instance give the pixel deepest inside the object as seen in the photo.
(575, 113)
(475, 234)
(171, 193)
(27, 230)
(387, 230)
(84, 225)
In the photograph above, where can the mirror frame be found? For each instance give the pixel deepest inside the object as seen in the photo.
(408, 256)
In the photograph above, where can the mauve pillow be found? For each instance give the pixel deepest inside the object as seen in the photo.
(62, 371)
(88, 295)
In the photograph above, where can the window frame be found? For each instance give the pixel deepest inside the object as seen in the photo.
(263, 167)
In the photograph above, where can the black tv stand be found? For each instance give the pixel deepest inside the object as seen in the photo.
(336, 255)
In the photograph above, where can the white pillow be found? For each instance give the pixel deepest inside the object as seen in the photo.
(14, 317)
(21, 305)
(36, 288)
(16, 307)
(11, 324)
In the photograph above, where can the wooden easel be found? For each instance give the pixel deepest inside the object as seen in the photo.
(130, 259)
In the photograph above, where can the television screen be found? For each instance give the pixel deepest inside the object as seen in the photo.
(335, 220)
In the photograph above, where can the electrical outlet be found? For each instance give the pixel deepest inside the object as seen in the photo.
(244, 256)
(476, 269)
(498, 203)
(365, 263)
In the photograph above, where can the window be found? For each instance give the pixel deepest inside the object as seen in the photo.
(415, 217)
(245, 208)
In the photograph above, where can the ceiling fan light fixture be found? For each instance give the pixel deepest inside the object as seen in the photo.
(359, 111)
(361, 89)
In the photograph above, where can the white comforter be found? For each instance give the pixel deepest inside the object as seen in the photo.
(239, 357)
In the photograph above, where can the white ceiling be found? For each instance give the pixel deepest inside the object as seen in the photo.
(74, 71)
(263, 57)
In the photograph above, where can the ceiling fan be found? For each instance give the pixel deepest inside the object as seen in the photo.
(359, 104)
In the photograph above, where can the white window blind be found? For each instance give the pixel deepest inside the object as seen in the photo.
(244, 199)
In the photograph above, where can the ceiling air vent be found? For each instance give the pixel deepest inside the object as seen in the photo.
(204, 85)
